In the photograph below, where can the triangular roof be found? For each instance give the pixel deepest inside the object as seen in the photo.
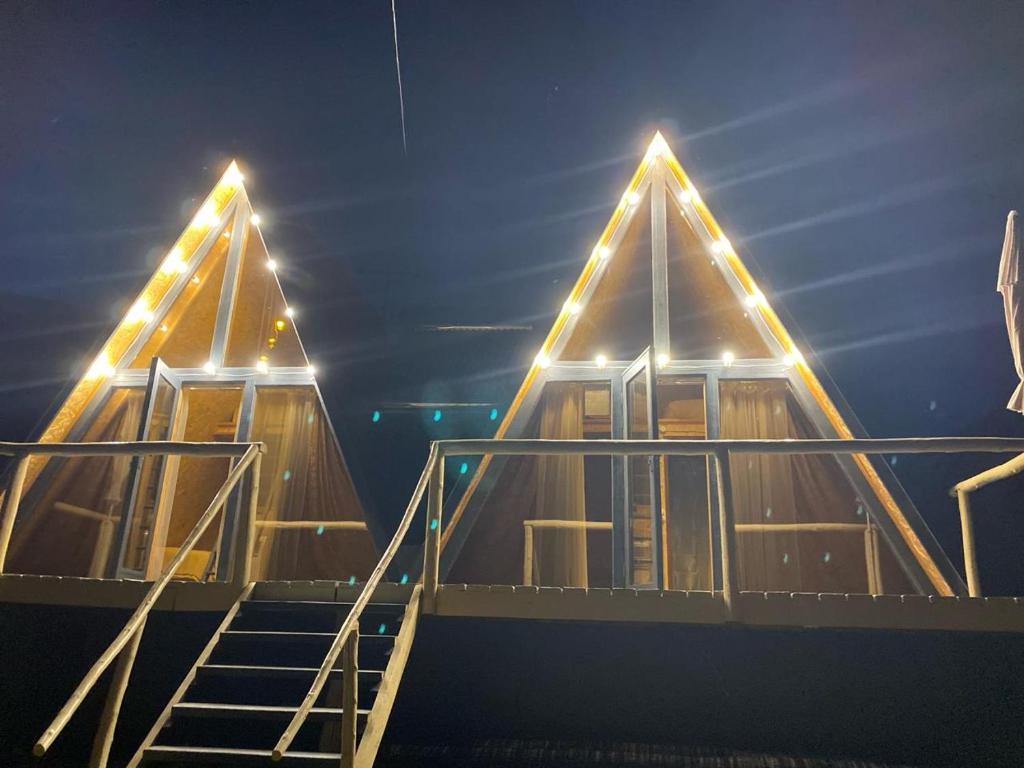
(213, 311)
(754, 330)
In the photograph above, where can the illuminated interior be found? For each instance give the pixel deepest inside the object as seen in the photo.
(668, 321)
(209, 351)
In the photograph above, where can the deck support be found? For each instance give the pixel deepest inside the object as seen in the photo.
(727, 531)
(432, 548)
(9, 510)
(115, 696)
(967, 531)
(349, 697)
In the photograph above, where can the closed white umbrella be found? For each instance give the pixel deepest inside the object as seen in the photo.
(1010, 275)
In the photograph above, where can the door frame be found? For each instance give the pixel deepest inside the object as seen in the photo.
(159, 372)
(643, 365)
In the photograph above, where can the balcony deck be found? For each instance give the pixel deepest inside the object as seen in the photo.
(765, 609)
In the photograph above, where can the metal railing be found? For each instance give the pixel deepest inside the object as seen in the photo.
(126, 644)
(962, 491)
(720, 450)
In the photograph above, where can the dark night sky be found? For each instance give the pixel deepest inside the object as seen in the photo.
(862, 155)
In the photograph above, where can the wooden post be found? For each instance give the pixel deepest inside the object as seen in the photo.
(9, 510)
(115, 695)
(967, 531)
(527, 555)
(726, 524)
(349, 697)
(871, 559)
(245, 530)
(432, 545)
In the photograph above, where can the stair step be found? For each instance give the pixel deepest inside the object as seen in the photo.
(256, 711)
(256, 670)
(277, 635)
(226, 756)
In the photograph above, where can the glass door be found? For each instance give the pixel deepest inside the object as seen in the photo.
(642, 478)
(145, 475)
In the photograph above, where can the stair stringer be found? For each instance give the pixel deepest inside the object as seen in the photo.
(187, 681)
(377, 721)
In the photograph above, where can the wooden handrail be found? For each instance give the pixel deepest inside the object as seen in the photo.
(352, 620)
(711, 447)
(135, 622)
(131, 448)
(1007, 469)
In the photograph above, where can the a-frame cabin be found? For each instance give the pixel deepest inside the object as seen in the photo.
(666, 335)
(208, 351)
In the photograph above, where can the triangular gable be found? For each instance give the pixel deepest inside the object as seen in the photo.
(708, 290)
(215, 315)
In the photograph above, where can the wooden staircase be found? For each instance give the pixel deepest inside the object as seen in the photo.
(247, 684)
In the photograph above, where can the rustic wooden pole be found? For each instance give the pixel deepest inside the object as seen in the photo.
(967, 532)
(349, 697)
(9, 510)
(432, 549)
(112, 708)
(527, 555)
(730, 578)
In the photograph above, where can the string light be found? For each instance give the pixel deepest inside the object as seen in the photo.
(174, 263)
(272, 265)
(793, 357)
(632, 197)
(755, 299)
(164, 328)
(603, 252)
(728, 358)
(311, 369)
(209, 367)
(685, 197)
(289, 312)
(601, 360)
(695, 198)
(722, 245)
(101, 367)
(139, 313)
(542, 360)
(255, 219)
(261, 366)
(207, 215)
(195, 280)
(572, 307)
(233, 176)
(662, 360)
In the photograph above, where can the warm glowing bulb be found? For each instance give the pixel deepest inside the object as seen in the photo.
(754, 299)
(195, 279)
(542, 360)
(722, 245)
(272, 265)
(207, 215)
(685, 197)
(793, 357)
(632, 197)
(262, 366)
(209, 367)
(728, 358)
(233, 176)
(694, 196)
(164, 328)
(657, 147)
(101, 367)
(174, 263)
(255, 219)
(572, 307)
(289, 312)
(662, 360)
(603, 252)
(139, 313)
(601, 360)
(311, 369)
